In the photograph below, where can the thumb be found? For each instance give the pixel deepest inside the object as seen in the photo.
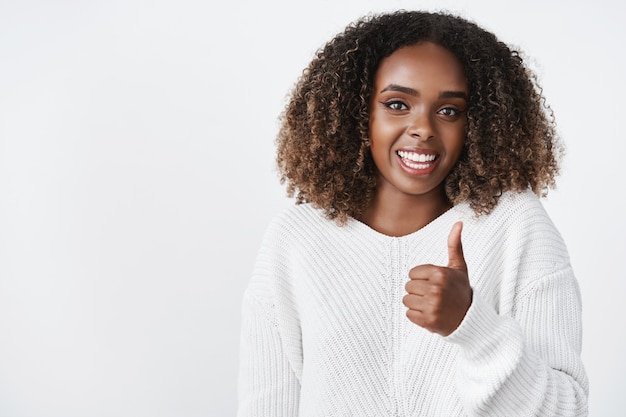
(456, 260)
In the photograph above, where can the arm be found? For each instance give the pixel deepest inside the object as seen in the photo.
(529, 364)
(268, 386)
(524, 361)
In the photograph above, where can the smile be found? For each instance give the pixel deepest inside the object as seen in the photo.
(417, 160)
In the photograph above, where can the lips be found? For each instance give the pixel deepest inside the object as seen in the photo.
(417, 160)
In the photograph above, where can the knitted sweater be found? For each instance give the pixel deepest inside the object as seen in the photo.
(325, 332)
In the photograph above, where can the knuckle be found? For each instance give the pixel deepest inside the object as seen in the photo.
(406, 300)
(436, 291)
(438, 276)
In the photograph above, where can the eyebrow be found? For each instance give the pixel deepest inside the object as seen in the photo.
(412, 92)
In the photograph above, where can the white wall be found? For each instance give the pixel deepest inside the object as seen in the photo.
(136, 180)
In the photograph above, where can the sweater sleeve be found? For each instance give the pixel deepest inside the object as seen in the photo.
(527, 363)
(268, 387)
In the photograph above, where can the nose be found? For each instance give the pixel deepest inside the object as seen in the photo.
(421, 127)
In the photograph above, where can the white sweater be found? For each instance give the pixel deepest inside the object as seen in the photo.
(325, 332)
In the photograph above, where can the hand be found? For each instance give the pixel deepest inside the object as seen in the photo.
(438, 297)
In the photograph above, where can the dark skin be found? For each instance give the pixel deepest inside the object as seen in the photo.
(417, 130)
(438, 297)
(407, 214)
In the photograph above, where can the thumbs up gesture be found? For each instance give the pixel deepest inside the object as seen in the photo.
(438, 297)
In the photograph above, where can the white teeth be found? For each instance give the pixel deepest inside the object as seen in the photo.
(416, 166)
(416, 157)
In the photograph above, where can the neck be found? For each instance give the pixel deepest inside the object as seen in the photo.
(397, 214)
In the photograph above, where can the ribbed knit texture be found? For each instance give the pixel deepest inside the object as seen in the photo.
(325, 333)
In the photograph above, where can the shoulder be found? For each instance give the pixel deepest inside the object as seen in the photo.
(519, 205)
(518, 210)
(278, 253)
(296, 220)
(521, 225)
(296, 227)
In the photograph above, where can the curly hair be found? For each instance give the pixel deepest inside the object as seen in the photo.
(323, 149)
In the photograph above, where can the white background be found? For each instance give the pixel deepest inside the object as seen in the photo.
(137, 178)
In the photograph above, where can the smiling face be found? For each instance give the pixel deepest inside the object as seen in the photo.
(417, 119)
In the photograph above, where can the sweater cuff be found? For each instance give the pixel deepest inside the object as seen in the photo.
(483, 332)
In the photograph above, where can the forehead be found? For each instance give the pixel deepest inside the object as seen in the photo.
(422, 62)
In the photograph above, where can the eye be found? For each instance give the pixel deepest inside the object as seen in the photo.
(396, 105)
(450, 111)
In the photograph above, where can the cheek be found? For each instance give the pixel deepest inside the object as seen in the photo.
(456, 135)
(380, 149)
(454, 142)
(383, 130)
(378, 134)
(457, 146)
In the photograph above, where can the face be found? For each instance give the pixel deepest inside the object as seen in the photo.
(417, 118)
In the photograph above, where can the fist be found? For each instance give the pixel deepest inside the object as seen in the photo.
(439, 296)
